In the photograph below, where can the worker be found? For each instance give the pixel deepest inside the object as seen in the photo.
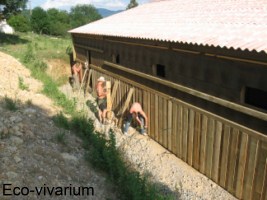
(136, 112)
(101, 98)
(77, 75)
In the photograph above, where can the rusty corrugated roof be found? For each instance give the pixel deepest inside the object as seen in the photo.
(224, 23)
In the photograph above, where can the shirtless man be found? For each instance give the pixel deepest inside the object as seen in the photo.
(101, 98)
(77, 74)
(136, 112)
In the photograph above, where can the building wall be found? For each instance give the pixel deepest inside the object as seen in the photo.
(223, 78)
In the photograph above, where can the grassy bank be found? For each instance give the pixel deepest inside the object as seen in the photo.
(34, 52)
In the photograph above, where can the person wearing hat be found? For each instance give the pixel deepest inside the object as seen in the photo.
(101, 98)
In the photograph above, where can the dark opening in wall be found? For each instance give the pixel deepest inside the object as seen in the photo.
(115, 58)
(256, 97)
(159, 70)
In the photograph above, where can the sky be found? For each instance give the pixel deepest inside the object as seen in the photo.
(66, 4)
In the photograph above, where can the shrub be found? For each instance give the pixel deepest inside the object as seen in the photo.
(22, 85)
(10, 104)
(20, 23)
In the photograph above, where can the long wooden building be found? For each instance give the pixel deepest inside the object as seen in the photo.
(199, 68)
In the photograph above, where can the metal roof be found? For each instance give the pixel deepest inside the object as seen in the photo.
(238, 24)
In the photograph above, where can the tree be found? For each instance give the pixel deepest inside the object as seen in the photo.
(20, 23)
(58, 22)
(83, 14)
(39, 20)
(132, 4)
(13, 7)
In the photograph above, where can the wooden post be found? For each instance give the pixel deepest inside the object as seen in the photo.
(109, 101)
(114, 91)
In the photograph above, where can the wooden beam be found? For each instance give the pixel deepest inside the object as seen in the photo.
(219, 101)
(88, 48)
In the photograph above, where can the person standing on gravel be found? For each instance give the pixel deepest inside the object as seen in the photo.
(136, 112)
(101, 98)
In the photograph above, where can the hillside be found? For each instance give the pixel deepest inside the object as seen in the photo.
(105, 12)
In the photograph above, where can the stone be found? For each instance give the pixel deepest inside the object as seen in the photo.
(16, 140)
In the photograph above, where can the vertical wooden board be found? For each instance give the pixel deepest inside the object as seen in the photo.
(196, 149)
(180, 131)
(264, 185)
(146, 104)
(241, 165)
(156, 137)
(160, 120)
(149, 112)
(250, 168)
(185, 134)
(191, 136)
(152, 115)
(209, 148)
(261, 170)
(169, 123)
(165, 123)
(217, 150)
(225, 154)
(204, 131)
(232, 160)
(174, 128)
(254, 195)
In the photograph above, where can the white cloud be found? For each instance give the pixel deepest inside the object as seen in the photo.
(108, 4)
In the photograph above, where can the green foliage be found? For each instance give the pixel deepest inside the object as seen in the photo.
(22, 85)
(39, 20)
(58, 22)
(29, 55)
(83, 14)
(10, 104)
(13, 7)
(61, 121)
(92, 106)
(61, 137)
(132, 4)
(20, 23)
(39, 64)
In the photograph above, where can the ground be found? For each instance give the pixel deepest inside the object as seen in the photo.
(31, 155)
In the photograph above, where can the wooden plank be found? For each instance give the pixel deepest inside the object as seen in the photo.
(254, 195)
(191, 137)
(180, 131)
(241, 165)
(264, 186)
(169, 133)
(225, 155)
(109, 101)
(250, 168)
(210, 145)
(160, 121)
(185, 134)
(217, 151)
(196, 150)
(204, 131)
(156, 118)
(165, 123)
(233, 161)
(152, 116)
(149, 113)
(174, 137)
(114, 91)
(87, 84)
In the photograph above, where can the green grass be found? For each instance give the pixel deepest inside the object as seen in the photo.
(33, 51)
(10, 104)
(22, 85)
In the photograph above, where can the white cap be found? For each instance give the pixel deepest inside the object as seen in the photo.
(101, 78)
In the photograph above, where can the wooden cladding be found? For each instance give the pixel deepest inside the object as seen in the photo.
(232, 155)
